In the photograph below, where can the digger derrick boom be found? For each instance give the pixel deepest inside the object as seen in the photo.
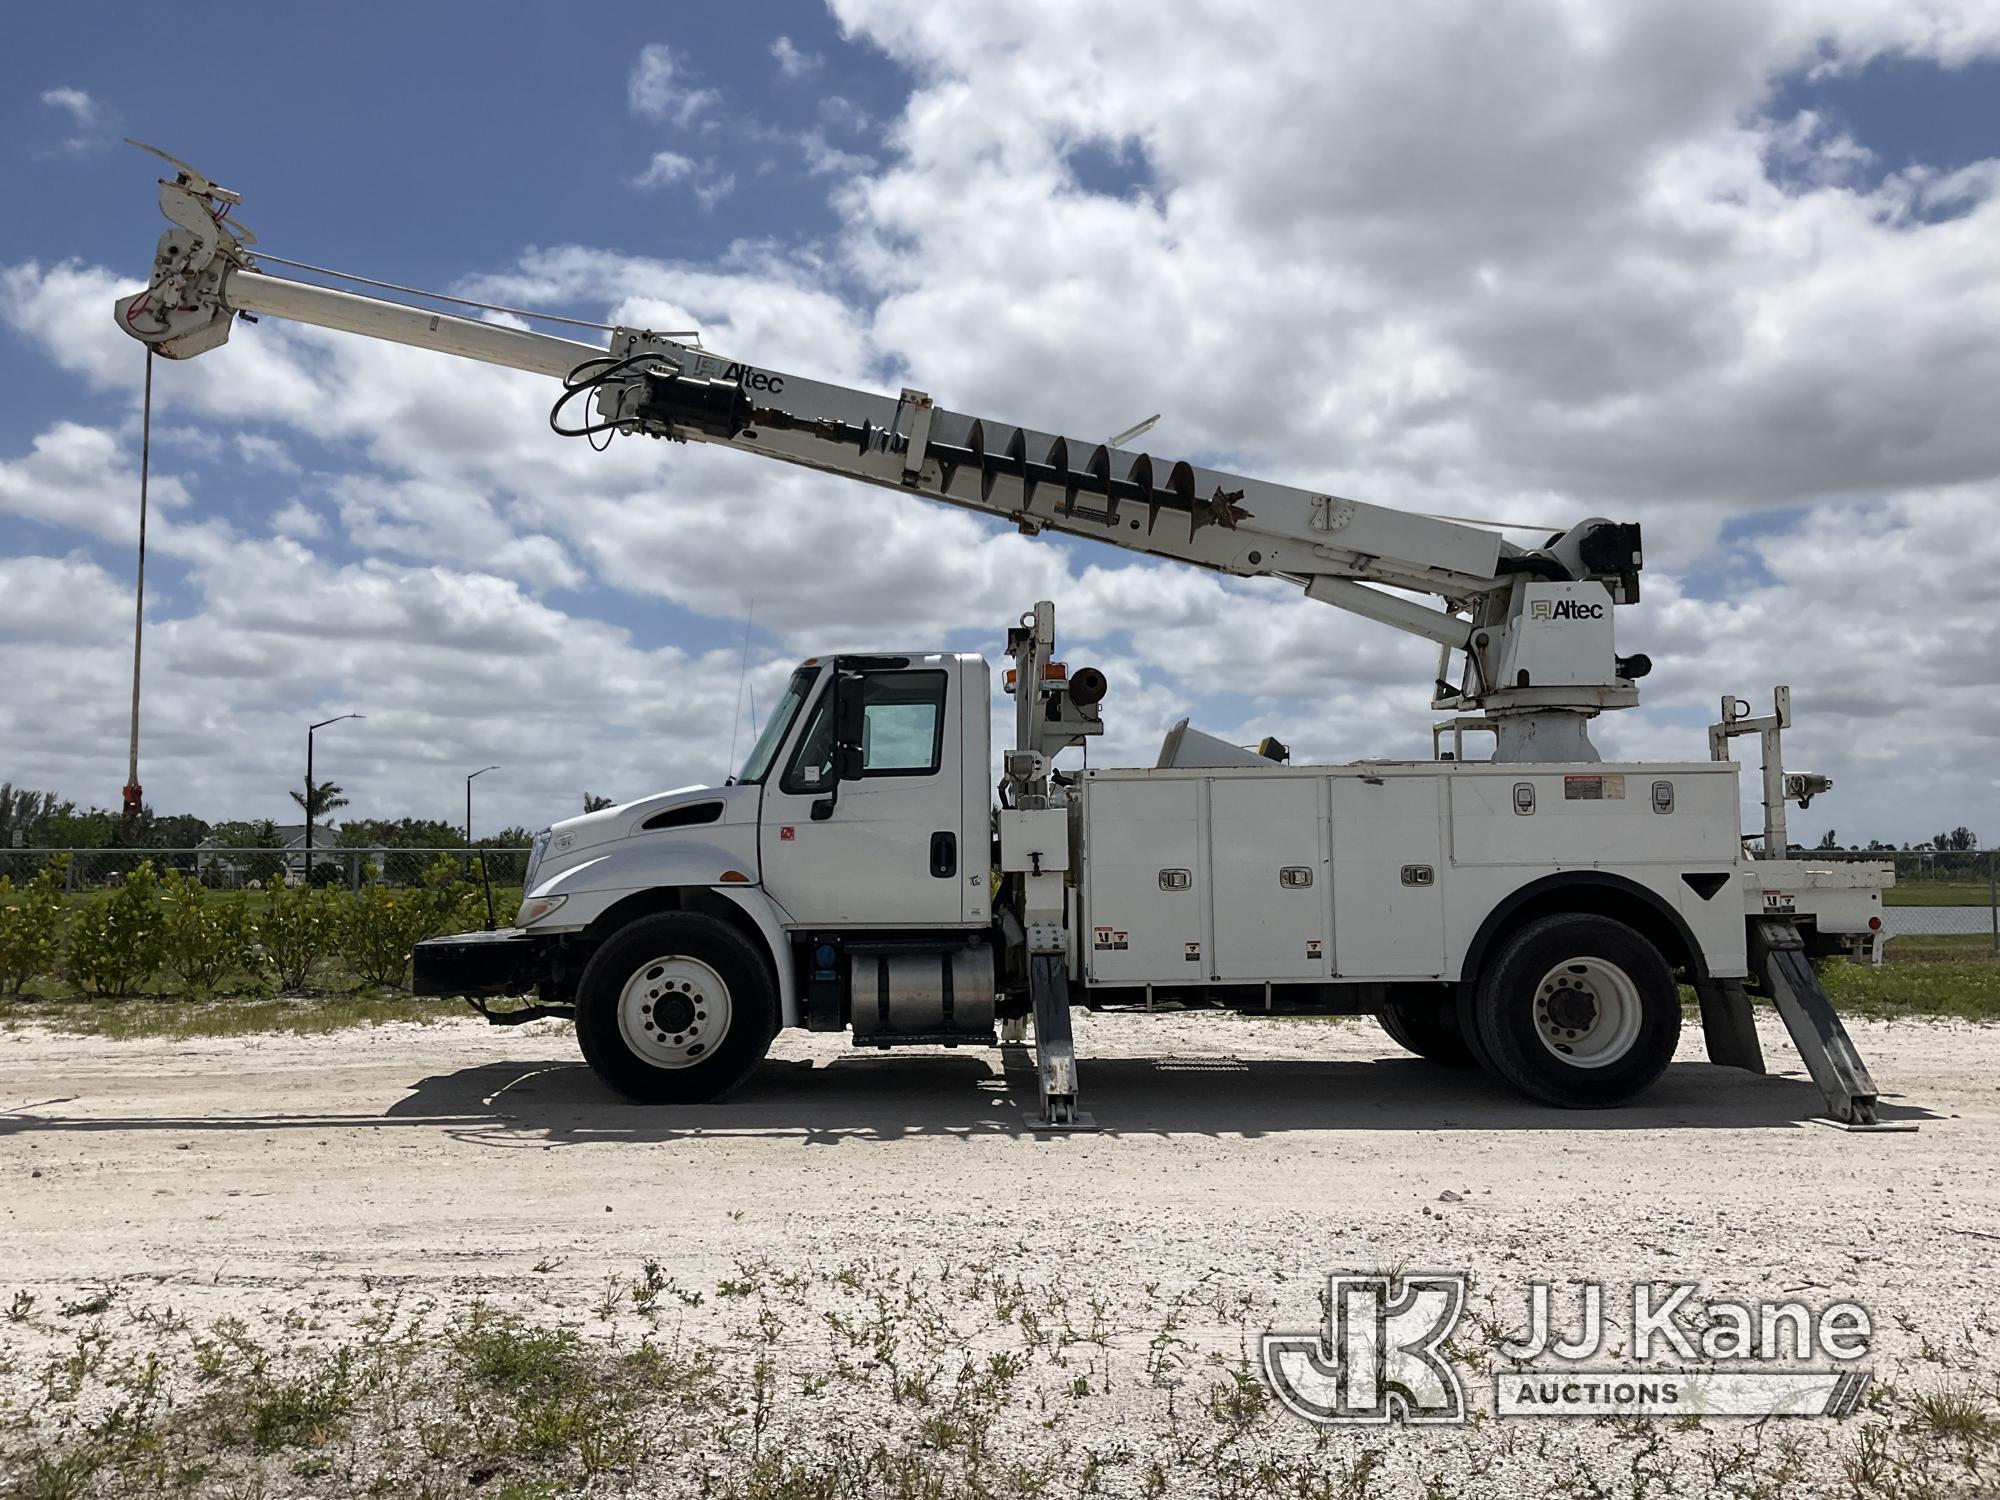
(1533, 626)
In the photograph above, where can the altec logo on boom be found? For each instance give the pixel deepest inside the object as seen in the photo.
(1384, 1352)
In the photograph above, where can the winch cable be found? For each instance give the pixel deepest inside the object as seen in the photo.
(133, 796)
(415, 291)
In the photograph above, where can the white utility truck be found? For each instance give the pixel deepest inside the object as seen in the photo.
(1534, 912)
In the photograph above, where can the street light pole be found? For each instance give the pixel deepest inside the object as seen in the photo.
(485, 880)
(309, 784)
(468, 801)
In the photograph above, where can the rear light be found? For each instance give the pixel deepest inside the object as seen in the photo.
(1874, 924)
(1054, 671)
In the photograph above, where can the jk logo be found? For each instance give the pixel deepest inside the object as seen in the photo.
(1379, 1353)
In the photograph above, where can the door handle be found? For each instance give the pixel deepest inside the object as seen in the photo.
(944, 855)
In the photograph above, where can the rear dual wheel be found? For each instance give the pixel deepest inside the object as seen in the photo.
(1577, 1011)
(1427, 1027)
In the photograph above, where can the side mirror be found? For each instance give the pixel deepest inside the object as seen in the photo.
(849, 722)
(849, 728)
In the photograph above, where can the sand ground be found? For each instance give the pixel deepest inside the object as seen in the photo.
(1239, 1162)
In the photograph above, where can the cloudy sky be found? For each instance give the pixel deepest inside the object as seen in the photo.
(1727, 269)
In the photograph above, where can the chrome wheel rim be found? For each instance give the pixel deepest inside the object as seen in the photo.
(673, 1011)
(1588, 1012)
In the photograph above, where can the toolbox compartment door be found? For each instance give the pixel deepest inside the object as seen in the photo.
(1147, 896)
(1388, 896)
(1273, 912)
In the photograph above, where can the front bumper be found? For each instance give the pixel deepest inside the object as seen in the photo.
(504, 962)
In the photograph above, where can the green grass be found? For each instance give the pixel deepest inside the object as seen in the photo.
(1939, 893)
(180, 1019)
(1967, 987)
(1928, 947)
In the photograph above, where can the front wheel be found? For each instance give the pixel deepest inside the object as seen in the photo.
(1577, 1011)
(675, 1008)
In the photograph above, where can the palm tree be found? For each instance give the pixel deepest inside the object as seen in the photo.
(318, 801)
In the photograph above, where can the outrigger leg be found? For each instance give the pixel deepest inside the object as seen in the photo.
(1778, 959)
(1055, 1049)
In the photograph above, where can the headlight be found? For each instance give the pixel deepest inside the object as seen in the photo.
(535, 853)
(534, 908)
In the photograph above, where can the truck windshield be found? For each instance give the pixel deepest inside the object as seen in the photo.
(778, 725)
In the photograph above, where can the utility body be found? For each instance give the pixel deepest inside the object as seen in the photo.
(1533, 912)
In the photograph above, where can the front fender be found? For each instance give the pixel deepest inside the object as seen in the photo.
(672, 863)
(770, 919)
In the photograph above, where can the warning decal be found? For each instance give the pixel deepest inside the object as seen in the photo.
(1112, 938)
(1594, 788)
(1312, 947)
(1193, 952)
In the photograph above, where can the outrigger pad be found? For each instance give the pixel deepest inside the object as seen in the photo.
(1903, 1127)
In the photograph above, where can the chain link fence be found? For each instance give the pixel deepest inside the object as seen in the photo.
(1938, 892)
(238, 869)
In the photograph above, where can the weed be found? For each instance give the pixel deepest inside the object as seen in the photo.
(504, 1356)
(1955, 1414)
(306, 1410)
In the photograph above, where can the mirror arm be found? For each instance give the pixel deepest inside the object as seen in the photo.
(822, 807)
(846, 760)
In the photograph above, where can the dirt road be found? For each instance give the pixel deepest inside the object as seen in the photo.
(1240, 1161)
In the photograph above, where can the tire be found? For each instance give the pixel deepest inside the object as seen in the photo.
(1577, 1011)
(1428, 1028)
(681, 970)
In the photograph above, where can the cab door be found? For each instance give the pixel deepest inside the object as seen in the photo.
(884, 848)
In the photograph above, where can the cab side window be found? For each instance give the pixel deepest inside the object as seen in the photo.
(902, 730)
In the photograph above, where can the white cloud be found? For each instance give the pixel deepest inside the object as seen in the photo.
(1533, 266)
(91, 123)
(78, 105)
(704, 179)
(658, 88)
(712, 190)
(62, 601)
(299, 521)
(263, 452)
(842, 113)
(75, 477)
(665, 168)
(794, 62)
(823, 158)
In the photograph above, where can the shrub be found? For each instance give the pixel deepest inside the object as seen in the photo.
(203, 941)
(383, 924)
(300, 926)
(116, 940)
(32, 919)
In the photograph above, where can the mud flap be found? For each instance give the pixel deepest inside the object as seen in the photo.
(1055, 1048)
(1778, 959)
(1727, 1025)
